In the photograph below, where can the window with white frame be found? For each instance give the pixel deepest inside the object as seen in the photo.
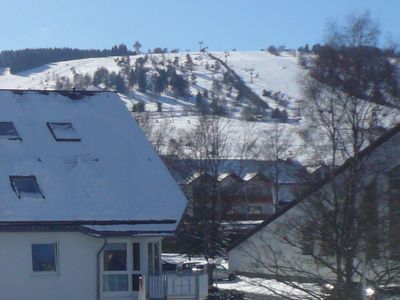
(121, 267)
(154, 257)
(115, 272)
(44, 257)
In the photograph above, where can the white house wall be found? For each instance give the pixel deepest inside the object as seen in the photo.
(255, 254)
(75, 279)
(260, 252)
(77, 266)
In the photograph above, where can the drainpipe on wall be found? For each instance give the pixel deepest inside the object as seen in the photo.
(98, 288)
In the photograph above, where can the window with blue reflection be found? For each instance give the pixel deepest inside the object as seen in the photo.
(44, 257)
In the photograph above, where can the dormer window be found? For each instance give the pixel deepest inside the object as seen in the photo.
(26, 186)
(8, 131)
(63, 132)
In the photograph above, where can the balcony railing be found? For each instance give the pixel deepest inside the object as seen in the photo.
(177, 285)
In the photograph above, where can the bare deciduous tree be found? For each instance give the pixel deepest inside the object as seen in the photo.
(206, 149)
(158, 132)
(342, 232)
(358, 30)
(276, 146)
(206, 152)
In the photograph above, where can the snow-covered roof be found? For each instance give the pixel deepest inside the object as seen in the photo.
(222, 176)
(194, 177)
(132, 229)
(107, 172)
(185, 171)
(250, 176)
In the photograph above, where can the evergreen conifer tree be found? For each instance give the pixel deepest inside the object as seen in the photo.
(137, 47)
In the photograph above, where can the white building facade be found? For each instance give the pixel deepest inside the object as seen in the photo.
(276, 249)
(64, 265)
(85, 200)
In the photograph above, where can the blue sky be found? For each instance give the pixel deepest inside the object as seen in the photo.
(221, 24)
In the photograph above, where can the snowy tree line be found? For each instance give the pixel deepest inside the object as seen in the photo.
(25, 59)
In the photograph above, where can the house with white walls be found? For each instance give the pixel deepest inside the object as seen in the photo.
(286, 248)
(85, 200)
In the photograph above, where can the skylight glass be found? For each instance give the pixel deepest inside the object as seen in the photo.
(8, 131)
(26, 186)
(63, 132)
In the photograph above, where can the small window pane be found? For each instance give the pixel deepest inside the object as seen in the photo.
(26, 186)
(254, 210)
(115, 257)
(157, 256)
(8, 131)
(44, 257)
(136, 256)
(114, 283)
(150, 257)
(135, 282)
(63, 132)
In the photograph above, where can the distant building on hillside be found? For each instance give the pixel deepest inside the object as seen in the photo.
(254, 189)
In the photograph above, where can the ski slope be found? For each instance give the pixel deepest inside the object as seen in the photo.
(259, 70)
(275, 73)
(278, 73)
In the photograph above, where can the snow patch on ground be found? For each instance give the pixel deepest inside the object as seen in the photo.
(266, 287)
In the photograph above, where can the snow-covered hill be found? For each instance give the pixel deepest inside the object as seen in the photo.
(274, 81)
(259, 70)
(270, 73)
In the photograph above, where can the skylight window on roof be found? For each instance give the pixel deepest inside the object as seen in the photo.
(8, 131)
(63, 132)
(26, 186)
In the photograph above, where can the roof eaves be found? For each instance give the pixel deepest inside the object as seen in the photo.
(85, 222)
(72, 94)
